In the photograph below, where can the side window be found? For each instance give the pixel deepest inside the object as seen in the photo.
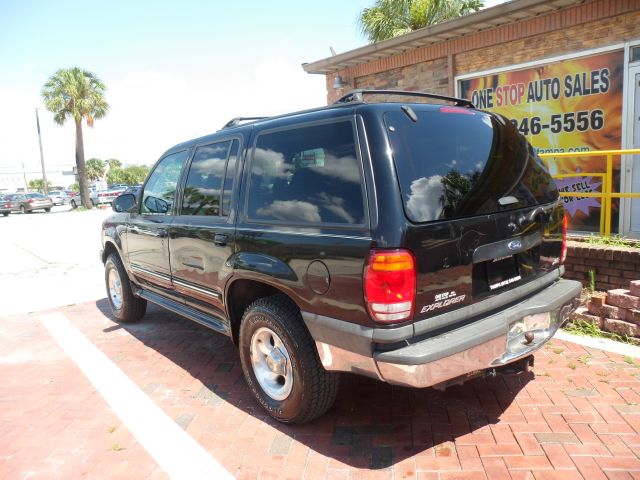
(307, 175)
(203, 190)
(160, 190)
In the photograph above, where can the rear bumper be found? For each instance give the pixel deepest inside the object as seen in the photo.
(493, 340)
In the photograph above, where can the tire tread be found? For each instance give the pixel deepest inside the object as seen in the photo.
(323, 385)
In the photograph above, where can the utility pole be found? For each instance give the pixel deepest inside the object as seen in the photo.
(24, 175)
(44, 174)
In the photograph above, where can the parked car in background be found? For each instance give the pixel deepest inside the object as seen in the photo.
(7, 205)
(59, 197)
(106, 196)
(133, 189)
(28, 202)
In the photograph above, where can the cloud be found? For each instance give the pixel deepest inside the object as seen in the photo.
(291, 211)
(424, 200)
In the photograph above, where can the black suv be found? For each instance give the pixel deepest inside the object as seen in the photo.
(420, 244)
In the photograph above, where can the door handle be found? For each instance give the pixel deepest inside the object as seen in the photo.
(160, 232)
(220, 239)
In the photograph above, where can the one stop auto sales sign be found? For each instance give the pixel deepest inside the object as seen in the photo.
(572, 105)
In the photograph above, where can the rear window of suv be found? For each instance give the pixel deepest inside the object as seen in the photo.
(454, 162)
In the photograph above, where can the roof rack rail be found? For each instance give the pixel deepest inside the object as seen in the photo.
(358, 96)
(234, 122)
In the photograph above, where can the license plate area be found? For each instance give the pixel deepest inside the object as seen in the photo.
(502, 272)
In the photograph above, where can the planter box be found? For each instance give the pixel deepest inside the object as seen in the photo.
(614, 267)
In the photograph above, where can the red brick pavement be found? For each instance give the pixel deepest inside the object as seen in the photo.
(576, 416)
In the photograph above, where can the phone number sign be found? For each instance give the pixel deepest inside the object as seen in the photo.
(572, 105)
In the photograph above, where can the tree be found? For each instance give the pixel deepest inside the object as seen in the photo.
(113, 163)
(391, 18)
(38, 184)
(131, 175)
(77, 94)
(94, 169)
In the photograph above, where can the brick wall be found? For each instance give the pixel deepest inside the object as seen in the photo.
(614, 266)
(429, 76)
(589, 25)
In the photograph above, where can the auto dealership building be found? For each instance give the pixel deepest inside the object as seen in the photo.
(565, 72)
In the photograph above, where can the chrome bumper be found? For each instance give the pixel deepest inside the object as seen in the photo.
(493, 341)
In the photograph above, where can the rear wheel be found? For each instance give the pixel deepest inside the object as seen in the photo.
(281, 364)
(73, 204)
(22, 209)
(6, 214)
(124, 304)
(47, 209)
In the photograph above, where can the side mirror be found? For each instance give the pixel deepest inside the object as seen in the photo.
(124, 203)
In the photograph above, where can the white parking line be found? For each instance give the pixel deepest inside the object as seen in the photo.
(177, 453)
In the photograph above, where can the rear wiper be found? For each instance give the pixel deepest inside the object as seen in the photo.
(409, 113)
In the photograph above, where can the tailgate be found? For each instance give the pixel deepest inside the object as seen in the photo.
(483, 209)
(470, 260)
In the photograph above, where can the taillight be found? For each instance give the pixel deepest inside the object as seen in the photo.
(458, 110)
(563, 252)
(30, 200)
(390, 285)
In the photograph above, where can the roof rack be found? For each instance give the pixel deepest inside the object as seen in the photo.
(358, 96)
(234, 122)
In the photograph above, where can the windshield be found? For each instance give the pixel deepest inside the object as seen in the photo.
(454, 162)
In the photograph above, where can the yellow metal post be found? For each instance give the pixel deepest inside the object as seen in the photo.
(606, 194)
(609, 181)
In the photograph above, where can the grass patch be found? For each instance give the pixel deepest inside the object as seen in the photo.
(612, 241)
(558, 350)
(572, 365)
(584, 359)
(582, 328)
(112, 429)
(117, 448)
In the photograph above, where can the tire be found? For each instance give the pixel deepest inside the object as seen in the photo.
(47, 210)
(93, 204)
(6, 214)
(73, 205)
(300, 391)
(125, 306)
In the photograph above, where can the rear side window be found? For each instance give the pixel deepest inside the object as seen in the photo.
(203, 190)
(453, 162)
(307, 175)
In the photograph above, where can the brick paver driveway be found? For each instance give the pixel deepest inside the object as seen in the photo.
(576, 416)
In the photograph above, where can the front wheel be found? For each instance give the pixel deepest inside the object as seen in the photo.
(6, 214)
(73, 204)
(47, 209)
(281, 364)
(22, 209)
(124, 304)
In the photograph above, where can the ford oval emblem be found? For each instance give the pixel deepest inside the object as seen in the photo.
(515, 245)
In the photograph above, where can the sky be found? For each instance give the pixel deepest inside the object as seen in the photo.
(174, 70)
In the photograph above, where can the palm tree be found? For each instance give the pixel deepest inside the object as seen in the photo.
(78, 94)
(94, 169)
(391, 18)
